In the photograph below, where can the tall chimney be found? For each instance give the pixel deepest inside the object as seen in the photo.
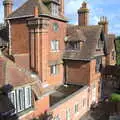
(104, 22)
(7, 7)
(62, 7)
(83, 15)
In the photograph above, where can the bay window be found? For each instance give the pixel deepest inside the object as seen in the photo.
(73, 46)
(12, 97)
(21, 98)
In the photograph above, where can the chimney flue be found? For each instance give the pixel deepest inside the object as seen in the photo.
(83, 15)
(36, 12)
(7, 7)
(104, 22)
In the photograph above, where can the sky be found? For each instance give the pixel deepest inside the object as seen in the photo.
(98, 8)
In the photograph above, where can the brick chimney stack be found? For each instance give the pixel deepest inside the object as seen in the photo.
(36, 12)
(104, 22)
(83, 15)
(7, 7)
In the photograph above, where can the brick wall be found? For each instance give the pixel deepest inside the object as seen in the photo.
(41, 105)
(2, 72)
(22, 60)
(41, 53)
(80, 97)
(77, 72)
(110, 60)
(19, 36)
(56, 56)
(84, 73)
(93, 74)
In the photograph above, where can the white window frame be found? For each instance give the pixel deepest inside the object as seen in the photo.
(25, 97)
(20, 99)
(28, 96)
(76, 106)
(13, 99)
(84, 102)
(54, 10)
(55, 45)
(68, 116)
(54, 69)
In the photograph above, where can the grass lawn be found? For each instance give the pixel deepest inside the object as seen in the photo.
(115, 97)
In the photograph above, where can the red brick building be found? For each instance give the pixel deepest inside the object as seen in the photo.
(51, 65)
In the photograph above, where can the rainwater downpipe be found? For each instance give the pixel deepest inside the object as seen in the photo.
(10, 42)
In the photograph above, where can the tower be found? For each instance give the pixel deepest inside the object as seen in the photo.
(83, 15)
(38, 37)
(7, 7)
(104, 22)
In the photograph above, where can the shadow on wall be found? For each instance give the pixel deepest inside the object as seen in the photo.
(7, 110)
(45, 116)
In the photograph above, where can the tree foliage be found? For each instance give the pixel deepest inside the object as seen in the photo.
(117, 42)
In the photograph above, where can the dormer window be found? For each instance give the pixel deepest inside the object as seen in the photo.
(73, 45)
(21, 98)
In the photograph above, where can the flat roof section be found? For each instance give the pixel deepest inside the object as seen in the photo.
(62, 92)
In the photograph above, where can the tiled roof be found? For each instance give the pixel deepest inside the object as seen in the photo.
(27, 9)
(88, 50)
(75, 34)
(15, 75)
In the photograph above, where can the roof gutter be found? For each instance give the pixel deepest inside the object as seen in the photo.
(19, 17)
(26, 16)
(76, 59)
(10, 42)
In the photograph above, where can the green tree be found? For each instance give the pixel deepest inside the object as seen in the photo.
(117, 44)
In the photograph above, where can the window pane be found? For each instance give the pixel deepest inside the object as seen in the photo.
(57, 45)
(54, 9)
(98, 64)
(68, 114)
(54, 69)
(12, 97)
(54, 45)
(76, 108)
(28, 97)
(20, 99)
